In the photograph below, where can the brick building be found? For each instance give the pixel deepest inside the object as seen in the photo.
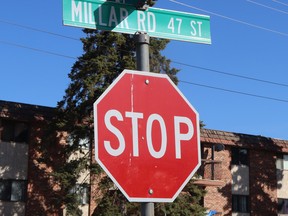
(242, 174)
(250, 173)
(25, 184)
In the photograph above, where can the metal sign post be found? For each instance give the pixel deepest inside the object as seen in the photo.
(142, 51)
(142, 60)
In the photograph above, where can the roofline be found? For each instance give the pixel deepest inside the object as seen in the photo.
(25, 112)
(248, 141)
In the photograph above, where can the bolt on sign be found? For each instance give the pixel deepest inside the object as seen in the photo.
(124, 18)
(146, 136)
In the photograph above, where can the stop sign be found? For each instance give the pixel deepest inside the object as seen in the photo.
(147, 136)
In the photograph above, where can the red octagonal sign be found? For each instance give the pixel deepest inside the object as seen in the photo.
(146, 136)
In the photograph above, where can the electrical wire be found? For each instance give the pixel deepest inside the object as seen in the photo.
(231, 74)
(230, 18)
(38, 30)
(36, 49)
(266, 6)
(176, 62)
(191, 83)
(184, 64)
(280, 2)
(236, 92)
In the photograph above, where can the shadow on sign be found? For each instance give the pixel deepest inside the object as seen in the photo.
(110, 15)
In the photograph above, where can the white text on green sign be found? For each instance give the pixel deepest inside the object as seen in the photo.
(110, 16)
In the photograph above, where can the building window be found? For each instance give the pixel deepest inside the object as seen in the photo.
(282, 162)
(240, 203)
(282, 206)
(13, 190)
(239, 156)
(82, 192)
(13, 131)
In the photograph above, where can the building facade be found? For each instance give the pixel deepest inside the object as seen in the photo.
(251, 172)
(26, 186)
(242, 174)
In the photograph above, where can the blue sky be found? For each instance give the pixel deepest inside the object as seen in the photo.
(238, 83)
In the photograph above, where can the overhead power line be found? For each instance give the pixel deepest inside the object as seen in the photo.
(230, 18)
(231, 74)
(37, 29)
(266, 6)
(191, 83)
(176, 62)
(77, 39)
(236, 92)
(279, 2)
(184, 64)
(36, 49)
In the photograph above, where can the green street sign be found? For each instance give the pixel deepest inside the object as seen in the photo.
(111, 16)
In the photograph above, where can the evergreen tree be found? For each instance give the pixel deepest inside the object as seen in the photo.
(106, 55)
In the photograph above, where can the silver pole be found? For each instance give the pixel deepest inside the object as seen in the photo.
(142, 56)
(142, 51)
(147, 209)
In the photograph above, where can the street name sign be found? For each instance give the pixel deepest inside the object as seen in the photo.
(113, 16)
(147, 136)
